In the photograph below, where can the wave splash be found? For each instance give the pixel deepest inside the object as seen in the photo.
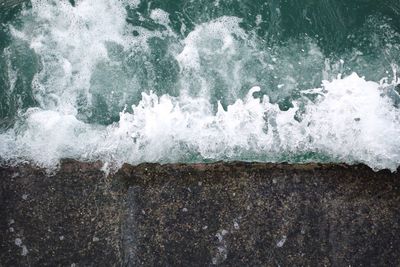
(119, 91)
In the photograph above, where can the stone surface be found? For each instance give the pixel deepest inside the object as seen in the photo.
(227, 214)
(71, 217)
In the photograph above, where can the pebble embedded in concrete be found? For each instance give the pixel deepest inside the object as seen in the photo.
(281, 242)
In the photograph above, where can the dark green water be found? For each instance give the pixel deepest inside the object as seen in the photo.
(169, 81)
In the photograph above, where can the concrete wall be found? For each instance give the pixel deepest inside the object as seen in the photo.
(236, 214)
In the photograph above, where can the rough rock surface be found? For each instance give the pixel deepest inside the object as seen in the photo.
(67, 218)
(228, 214)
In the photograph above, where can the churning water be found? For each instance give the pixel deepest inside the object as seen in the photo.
(192, 81)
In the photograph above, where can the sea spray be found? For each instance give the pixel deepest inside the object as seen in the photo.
(117, 83)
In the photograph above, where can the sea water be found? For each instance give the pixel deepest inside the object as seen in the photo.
(131, 81)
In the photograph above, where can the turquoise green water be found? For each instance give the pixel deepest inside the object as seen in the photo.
(187, 81)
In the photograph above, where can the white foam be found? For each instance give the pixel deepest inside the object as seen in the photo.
(160, 16)
(347, 119)
(349, 122)
(70, 42)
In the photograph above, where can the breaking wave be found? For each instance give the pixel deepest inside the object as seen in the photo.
(122, 81)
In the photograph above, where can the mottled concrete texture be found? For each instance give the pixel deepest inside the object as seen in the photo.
(58, 220)
(228, 214)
